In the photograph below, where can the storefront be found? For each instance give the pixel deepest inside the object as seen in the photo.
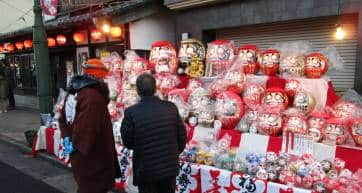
(265, 24)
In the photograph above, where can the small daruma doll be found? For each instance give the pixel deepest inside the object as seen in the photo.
(270, 121)
(270, 62)
(336, 131)
(219, 57)
(198, 98)
(163, 57)
(291, 87)
(317, 124)
(304, 101)
(275, 97)
(252, 94)
(166, 82)
(229, 109)
(316, 65)
(295, 122)
(356, 131)
(248, 57)
(344, 110)
(293, 65)
(234, 80)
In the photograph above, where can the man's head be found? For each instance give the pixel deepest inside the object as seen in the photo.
(146, 85)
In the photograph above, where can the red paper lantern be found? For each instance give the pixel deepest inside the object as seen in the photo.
(78, 37)
(9, 47)
(28, 44)
(51, 42)
(96, 34)
(61, 39)
(19, 45)
(116, 31)
(1, 48)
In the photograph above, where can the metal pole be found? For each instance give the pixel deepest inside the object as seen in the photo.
(41, 56)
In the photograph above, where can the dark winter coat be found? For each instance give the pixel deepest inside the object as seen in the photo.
(157, 135)
(94, 161)
(4, 88)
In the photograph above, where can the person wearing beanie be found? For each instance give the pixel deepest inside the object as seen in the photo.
(86, 129)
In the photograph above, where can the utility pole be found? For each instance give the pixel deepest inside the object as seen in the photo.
(41, 55)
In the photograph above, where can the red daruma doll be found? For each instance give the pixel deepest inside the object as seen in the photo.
(219, 57)
(270, 121)
(163, 57)
(336, 131)
(248, 57)
(356, 131)
(229, 109)
(270, 62)
(316, 65)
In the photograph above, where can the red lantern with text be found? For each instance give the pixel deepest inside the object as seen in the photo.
(78, 37)
(19, 45)
(96, 34)
(9, 47)
(61, 39)
(270, 62)
(116, 31)
(28, 44)
(316, 66)
(51, 42)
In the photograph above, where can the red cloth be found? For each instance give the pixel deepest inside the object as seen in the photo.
(184, 81)
(275, 82)
(275, 144)
(49, 136)
(352, 157)
(332, 97)
(190, 131)
(235, 136)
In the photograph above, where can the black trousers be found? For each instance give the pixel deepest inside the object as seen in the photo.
(11, 98)
(167, 185)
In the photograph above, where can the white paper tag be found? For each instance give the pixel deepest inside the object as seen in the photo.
(70, 108)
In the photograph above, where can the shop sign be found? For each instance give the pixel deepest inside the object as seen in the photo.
(50, 9)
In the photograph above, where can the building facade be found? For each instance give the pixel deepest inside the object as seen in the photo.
(267, 22)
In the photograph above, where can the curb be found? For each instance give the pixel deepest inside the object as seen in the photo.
(27, 150)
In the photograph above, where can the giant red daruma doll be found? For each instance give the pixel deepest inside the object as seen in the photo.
(229, 109)
(248, 57)
(163, 57)
(219, 57)
(270, 62)
(316, 66)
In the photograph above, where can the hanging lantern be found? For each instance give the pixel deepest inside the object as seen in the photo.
(116, 31)
(78, 37)
(51, 42)
(1, 48)
(96, 34)
(61, 39)
(28, 44)
(19, 45)
(9, 47)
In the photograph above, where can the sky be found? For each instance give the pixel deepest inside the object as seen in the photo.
(15, 14)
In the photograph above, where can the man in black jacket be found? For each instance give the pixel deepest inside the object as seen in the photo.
(155, 132)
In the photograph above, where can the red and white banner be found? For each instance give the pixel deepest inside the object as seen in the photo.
(50, 9)
(188, 180)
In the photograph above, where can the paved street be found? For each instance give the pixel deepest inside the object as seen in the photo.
(25, 174)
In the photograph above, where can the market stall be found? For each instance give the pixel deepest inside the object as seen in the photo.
(257, 121)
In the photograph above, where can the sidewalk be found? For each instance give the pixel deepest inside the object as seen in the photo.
(14, 123)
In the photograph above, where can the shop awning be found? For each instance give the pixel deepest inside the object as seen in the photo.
(185, 4)
(121, 13)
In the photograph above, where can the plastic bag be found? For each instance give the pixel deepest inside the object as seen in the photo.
(219, 57)
(335, 60)
(229, 109)
(58, 107)
(292, 57)
(163, 57)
